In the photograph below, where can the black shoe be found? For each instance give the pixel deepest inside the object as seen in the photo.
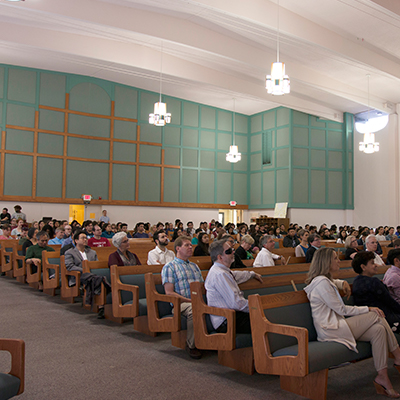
(193, 353)
(100, 313)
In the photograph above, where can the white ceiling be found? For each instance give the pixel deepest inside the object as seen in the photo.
(217, 50)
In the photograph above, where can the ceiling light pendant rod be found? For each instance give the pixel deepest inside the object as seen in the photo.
(233, 156)
(161, 69)
(277, 37)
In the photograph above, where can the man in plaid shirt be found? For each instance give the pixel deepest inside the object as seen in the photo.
(176, 278)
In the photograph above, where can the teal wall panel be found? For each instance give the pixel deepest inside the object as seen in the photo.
(1, 82)
(318, 158)
(268, 187)
(52, 90)
(126, 102)
(147, 101)
(224, 141)
(255, 162)
(224, 185)
(222, 163)
(283, 137)
(224, 121)
(282, 116)
(86, 148)
(87, 178)
(241, 123)
(172, 136)
(318, 138)
(174, 107)
(282, 185)
(241, 141)
(300, 157)
(242, 164)
(172, 156)
(240, 188)
(22, 85)
(207, 159)
(124, 182)
(149, 183)
(51, 120)
(150, 133)
(315, 121)
(19, 140)
(20, 115)
(318, 185)
(171, 185)
(189, 186)
(190, 137)
(90, 98)
(282, 157)
(190, 158)
(125, 130)
(150, 154)
(18, 175)
(300, 186)
(207, 140)
(335, 139)
(335, 159)
(190, 114)
(48, 182)
(208, 116)
(89, 126)
(256, 123)
(269, 120)
(124, 152)
(300, 118)
(300, 136)
(50, 144)
(255, 188)
(207, 187)
(335, 188)
(256, 143)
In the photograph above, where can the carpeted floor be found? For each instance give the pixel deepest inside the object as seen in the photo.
(70, 354)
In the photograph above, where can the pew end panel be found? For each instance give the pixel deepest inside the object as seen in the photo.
(19, 265)
(14, 381)
(7, 251)
(69, 293)
(51, 271)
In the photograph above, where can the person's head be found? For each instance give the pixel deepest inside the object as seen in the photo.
(394, 257)
(13, 222)
(282, 227)
(350, 242)
(5, 210)
(379, 230)
(303, 235)
(246, 242)
(277, 231)
(177, 222)
(17, 208)
(67, 230)
(160, 226)
(324, 262)
(139, 227)
(97, 231)
(203, 238)
(364, 263)
(291, 231)
(32, 232)
(161, 238)
(20, 222)
(222, 252)
(42, 238)
(59, 233)
(80, 239)
(104, 212)
(24, 232)
(121, 241)
(315, 240)
(391, 231)
(6, 230)
(268, 242)
(396, 243)
(47, 228)
(228, 238)
(88, 226)
(243, 229)
(398, 229)
(51, 223)
(107, 228)
(180, 226)
(190, 225)
(124, 227)
(371, 243)
(183, 247)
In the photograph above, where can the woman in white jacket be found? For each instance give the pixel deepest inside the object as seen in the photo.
(364, 323)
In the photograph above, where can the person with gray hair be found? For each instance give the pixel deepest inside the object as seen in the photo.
(241, 253)
(265, 258)
(122, 257)
(222, 286)
(371, 244)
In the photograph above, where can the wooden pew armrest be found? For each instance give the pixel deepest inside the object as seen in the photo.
(16, 347)
(124, 310)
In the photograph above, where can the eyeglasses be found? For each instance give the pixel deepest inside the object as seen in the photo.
(125, 241)
(230, 250)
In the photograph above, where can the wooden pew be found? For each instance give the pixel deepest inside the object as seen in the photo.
(19, 266)
(6, 256)
(50, 270)
(68, 293)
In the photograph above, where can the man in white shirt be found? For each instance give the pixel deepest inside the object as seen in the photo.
(265, 258)
(160, 255)
(222, 286)
(371, 244)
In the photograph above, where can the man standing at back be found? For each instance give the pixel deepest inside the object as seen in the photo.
(176, 278)
(160, 255)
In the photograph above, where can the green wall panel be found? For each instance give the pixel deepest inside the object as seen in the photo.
(126, 102)
(224, 141)
(300, 136)
(19, 140)
(300, 157)
(124, 152)
(318, 138)
(51, 120)
(242, 164)
(125, 130)
(48, 182)
(335, 159)
(255, 123)
(207, 159)
(224, 184)
(318, 185)
(207, 187)
(269, 187)
(315, 121)
(256, 143)
(282, 157)
(22, 85)
(174, 107)
(150, 133)
(350, 189)
(18, 175)
(20, 115)
(335, 188)
(318, 158)
(147, 101)
(256, 161)
(190, 158)
(50, 144)
(240, 188)
(255, 188)
(90, 98)
(208, 117)
(149, 184)
(190, 114)
(85, 177)
(282, 185)
(241, 141)
(300, 118)
(350, 161)
(123, 183)
(189, 186)
(150, 154)
(269, 120)
(89, 126)
(300, 186)
(224, 121)
(282, 116)
(222, 163)
(1, 82)
(190, 138)
(172, 136)
(172, 156)
(241, 123)
(207, 140)
(171, 185)
(283, 137)
(52, 90)
(87, 148)
(335, 139)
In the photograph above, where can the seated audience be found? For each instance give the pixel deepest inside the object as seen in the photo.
(364, 323)
(371, 244)
(392, 276)
(32, 232)
(390, 234)
(222, 286)
(302, 247)
(351, 245)
(5, 217)
(139, 232)
(49, 230)
(13, 223)
(242, 252)
(59, 237)
(88, 229)
(24, 235)
(190, 231)
(17, 231)
(122, 257)
(265, 258)
(6, 232)
(98, 240)
(314, 241)
(342, 237)
(18, 213)
(34, 253)
(380, 234)
(218, 228)
(124, 228)
(202, 245)
(242, 231)
(160, 255)
(370, 291)
(179, 232)
(277, 233)
(290, 240)
(107, 231)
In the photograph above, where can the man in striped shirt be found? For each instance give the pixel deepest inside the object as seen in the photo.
(222, 286)
(176, 277)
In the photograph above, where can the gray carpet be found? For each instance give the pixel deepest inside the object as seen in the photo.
(70, 354)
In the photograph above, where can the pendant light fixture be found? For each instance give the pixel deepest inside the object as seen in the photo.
(278, 83)
(233, 156)
(160, 117)
(369, 145)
